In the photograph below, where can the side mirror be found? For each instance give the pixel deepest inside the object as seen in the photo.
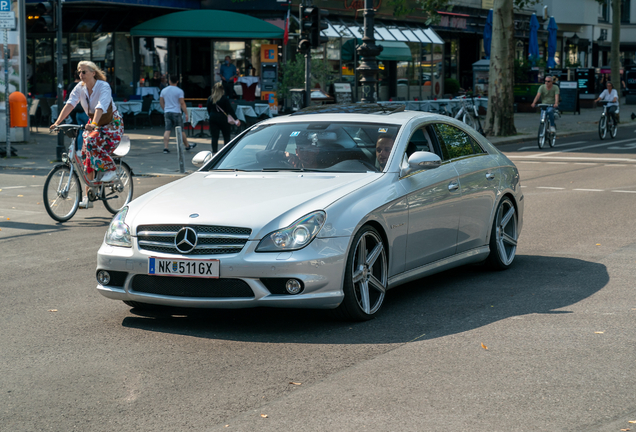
(420, 161)
(201, 158)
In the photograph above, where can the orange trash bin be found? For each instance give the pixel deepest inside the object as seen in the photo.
(19, 111)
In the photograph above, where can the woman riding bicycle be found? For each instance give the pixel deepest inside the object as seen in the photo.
(549, 94)
(610, 95)
(95, 95)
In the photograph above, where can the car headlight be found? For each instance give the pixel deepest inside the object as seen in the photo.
(294, 237)
(118, 233)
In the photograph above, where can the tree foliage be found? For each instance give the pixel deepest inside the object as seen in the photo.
(293, 74)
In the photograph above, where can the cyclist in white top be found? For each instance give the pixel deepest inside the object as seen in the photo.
(610, 95)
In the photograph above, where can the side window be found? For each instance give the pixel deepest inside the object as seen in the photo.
(419, 141)
(455, 142)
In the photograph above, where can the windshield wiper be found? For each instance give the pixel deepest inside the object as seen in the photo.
(291, 170)
(231, 170)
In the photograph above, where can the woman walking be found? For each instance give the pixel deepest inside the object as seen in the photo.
(221, 116)
(95, 95)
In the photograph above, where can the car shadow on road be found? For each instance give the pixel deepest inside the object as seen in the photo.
(448, 303)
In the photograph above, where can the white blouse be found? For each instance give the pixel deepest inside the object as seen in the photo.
(609, 97)
(101, 97)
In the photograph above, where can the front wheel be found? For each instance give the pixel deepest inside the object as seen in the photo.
(602, 127)
(120, 192)
(366, 276)
(62, 193)
(552, 141)
(503, 238)
(541, 137)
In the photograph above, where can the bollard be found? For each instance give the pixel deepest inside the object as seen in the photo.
(180, 156)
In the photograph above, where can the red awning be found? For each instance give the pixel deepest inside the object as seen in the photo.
(451, 13)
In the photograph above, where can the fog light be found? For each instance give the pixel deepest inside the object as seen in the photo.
(293, 286)
(103, 277)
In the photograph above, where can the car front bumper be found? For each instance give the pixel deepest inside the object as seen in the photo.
(320, 267)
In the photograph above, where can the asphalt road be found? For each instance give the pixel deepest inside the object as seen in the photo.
(548, 345)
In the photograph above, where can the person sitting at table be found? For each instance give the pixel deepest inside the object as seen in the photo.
(221, 115)
(172, 102)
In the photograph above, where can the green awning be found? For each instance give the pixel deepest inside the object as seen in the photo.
(398, 51)
(207, 23)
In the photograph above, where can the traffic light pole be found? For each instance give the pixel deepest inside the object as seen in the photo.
(368, 66)
(307, 102)
(60, 77)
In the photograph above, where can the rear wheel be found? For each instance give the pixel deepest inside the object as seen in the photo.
(120, 192)
(552, 140)
(542, 131)
(503, 238)
(366, 276)
(613, 128)
(602, 127)
(468, 119)
(62, 193)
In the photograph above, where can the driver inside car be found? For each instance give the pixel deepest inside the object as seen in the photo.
(383, 148)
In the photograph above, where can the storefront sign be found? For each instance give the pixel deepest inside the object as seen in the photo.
(269, 53)
(487, 4)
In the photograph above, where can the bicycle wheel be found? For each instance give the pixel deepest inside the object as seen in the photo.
(613, 128)
(120, 192)
(552, 140)
(602, 127)
(62, 193)
(542, 130)
(468, 119)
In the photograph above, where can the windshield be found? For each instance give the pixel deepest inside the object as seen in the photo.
(315, 146)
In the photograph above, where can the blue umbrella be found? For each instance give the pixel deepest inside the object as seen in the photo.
(488, 34)
(552, 42)
(533, 49)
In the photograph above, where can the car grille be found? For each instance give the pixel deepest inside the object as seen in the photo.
(191, 287)
(212, 240)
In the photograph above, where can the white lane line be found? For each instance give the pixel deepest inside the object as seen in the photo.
(615, 165)
(589, 190)
(528, 162)
(576, 158)
(12, 187)
(559, 163)
(558, 145)
(589, 163)
(621, 191)
(547, 155)
(546, 187)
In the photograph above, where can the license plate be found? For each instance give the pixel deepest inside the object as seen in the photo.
(189, 268)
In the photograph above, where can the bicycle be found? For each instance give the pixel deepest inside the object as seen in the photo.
(544, 129)
(469, 115)
(607, 123)
(63, 190)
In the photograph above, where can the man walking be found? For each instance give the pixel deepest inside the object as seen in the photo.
(172, 103)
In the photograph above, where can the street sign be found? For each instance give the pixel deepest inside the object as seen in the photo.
(5, 5)
(7, 24)
(7, 15)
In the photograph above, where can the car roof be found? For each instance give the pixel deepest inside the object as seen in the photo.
(396, 118)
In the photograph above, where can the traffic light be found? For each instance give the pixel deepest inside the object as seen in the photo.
(46, 10)
(312, 25)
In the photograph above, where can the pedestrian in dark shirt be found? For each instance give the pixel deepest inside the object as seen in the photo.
(222, 116)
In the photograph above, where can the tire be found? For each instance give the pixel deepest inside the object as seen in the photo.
(613, 129)
(504, 235)
(552, 140)
(542, 131)
(117, 195)
(602, 127)
(59, 203)
(366, 276)
(468, 119)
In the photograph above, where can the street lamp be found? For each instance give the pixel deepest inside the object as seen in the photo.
(574, 40)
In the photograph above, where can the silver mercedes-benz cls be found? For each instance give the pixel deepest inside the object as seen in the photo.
(317, 210)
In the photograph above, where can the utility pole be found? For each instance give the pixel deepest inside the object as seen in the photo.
(367, 52)
(60, 76)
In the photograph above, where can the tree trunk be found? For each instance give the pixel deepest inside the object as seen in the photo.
(500, 116)
(616, 39)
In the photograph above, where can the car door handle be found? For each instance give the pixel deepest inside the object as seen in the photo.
(490, 176)
(453, 186)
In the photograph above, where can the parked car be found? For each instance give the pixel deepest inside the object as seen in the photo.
(299, 212)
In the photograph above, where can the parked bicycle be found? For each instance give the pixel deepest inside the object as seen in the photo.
(469, 114)
(63, 190)
(607, 123)
(544, 127)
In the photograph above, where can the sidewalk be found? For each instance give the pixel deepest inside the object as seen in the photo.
(146, 155)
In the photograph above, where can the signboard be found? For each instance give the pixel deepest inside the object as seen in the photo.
(5, 6)
(585, 79)
(269, 53)
(342, 93)
(569, 97)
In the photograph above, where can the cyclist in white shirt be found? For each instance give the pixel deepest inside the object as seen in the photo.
(610, 95)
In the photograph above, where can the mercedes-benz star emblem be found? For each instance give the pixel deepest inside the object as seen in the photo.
(186, 240)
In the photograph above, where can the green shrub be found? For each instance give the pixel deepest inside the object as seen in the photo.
(451, 85)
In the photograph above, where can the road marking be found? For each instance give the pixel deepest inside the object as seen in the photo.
(589, 190)
(559, 163)
(621, 191)
(528, 162)
(588, 163)
(576, 158)
(546, 187)
(615, 165)
(547, 155)
(558, 145)
(13, 187)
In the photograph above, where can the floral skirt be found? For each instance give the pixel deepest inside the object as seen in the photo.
(98, 145)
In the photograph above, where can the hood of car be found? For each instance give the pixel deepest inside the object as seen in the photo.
(260, 201)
